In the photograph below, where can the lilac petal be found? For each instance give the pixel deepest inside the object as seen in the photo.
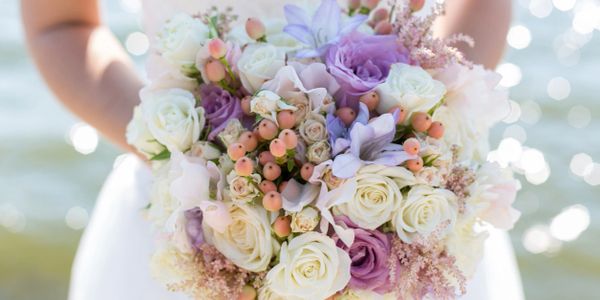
(300, 32)
(326, 20)
(307, 53)
(363, 115)
(359, 135)
(346, 165)
(296, 195)
(339, 146)
(295, 15)
(392, 158)
(353, 23)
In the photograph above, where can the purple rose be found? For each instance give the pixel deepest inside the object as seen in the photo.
(369, 254)
(220, 106)
(193, 227)
(360, 62)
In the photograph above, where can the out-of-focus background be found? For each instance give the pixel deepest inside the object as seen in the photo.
(52, 166)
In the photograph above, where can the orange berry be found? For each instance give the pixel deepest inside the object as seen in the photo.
(244, 166)
(272, 201)
(415, 165)
(307, 170)
(266, 186)
(416, 5)
(217, 48)
(370, 4)
(247, 293)
(271, 171)
(282, 226)
(383, 28)
(286, 119)
(347, 115)
(215, 71)
(282, 186)
(401, 113)
(380, 14)
(371, 100)
(436, 130)
(255, 28)
(354, 4)
(246, 105)
(289, 138)
(267, 129)
(249, 140)
(421, 121)
(278, 148)
(412, 146)
(265, 157)
(236, 151)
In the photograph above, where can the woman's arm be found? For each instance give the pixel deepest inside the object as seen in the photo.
(486, 21)
(83, 63)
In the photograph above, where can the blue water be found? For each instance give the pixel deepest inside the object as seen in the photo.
(42, 176)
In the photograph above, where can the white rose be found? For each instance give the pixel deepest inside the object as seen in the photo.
(471, 140)
(356, 294)
(258, 64)
(231, 133)
(313, 128)
(247, 241)
(410, 87)
(205, 150)
(423, 211)
(466, 245)
(172, 117)
(180, 39)
(305, 220)
(311, 266)
(318, 152)
(140, 137)
(377, 196)
(243, 189)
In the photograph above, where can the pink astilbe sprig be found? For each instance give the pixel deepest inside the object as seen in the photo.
(458, 181)
(415, 33)
(424, 268)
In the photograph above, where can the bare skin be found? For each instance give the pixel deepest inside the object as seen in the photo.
(91, 74)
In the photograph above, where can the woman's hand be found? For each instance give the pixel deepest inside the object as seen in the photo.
(486, 21)
(83, 63)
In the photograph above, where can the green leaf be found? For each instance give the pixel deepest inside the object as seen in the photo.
(165, 154)
(436, 106)
(290, 165)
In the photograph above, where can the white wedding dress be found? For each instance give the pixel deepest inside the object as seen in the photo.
(112, 262)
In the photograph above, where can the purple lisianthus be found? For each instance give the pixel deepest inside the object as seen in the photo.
(220, 106)
(369, 254)
(193, 227)
(360, 62)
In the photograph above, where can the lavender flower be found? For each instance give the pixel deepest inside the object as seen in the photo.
(339, 134)
(369, 253)
(323, 29)
(371, 144)
(361, 62)
(220, 106)
(193, 227)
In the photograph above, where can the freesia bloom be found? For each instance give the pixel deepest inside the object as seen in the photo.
(361, 62)
(323, 29)
(219, 106)
(369, 253)
(311, 266)
(371, 144)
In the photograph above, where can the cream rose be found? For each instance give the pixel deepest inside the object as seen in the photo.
(205, 150)
(423, 211)
(243, 189)
(258, 64)
(180, 39)
(311, 266)
(377, 196)
(266, 104)
(231, 133)
(305, 220)
(140, 137)
(410, 87)
(318, 152)
(172, 117)
(313, 128)
(247, 241)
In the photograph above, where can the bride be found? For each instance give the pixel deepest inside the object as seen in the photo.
(90, 73)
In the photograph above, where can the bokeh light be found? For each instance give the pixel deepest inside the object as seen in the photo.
(537, 239)
(558, 88)
(564, 5)
(84, 138)
(531, 112)
(511, 74)
(581, 164)
(517, 132)
(540, 8)
(579, 116)
(11, 218)
(519, 37)
(570, 223)
(137, 43)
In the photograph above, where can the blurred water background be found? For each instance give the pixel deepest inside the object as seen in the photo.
(52, 165)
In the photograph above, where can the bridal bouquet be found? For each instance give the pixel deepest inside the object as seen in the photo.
(338, 155)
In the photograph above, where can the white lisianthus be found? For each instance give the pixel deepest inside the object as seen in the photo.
(313, 128)
(423, 211)
(247, 241)
(494, 192)
(305, 220)
(311, 266)
(243, 189)
(232, 132)
(180, 39)
(258, 64)
(410, 87)
(140, 137)
(377, 196)
(205, 150)
(266, 104)
(470, 140)
(172, 117)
